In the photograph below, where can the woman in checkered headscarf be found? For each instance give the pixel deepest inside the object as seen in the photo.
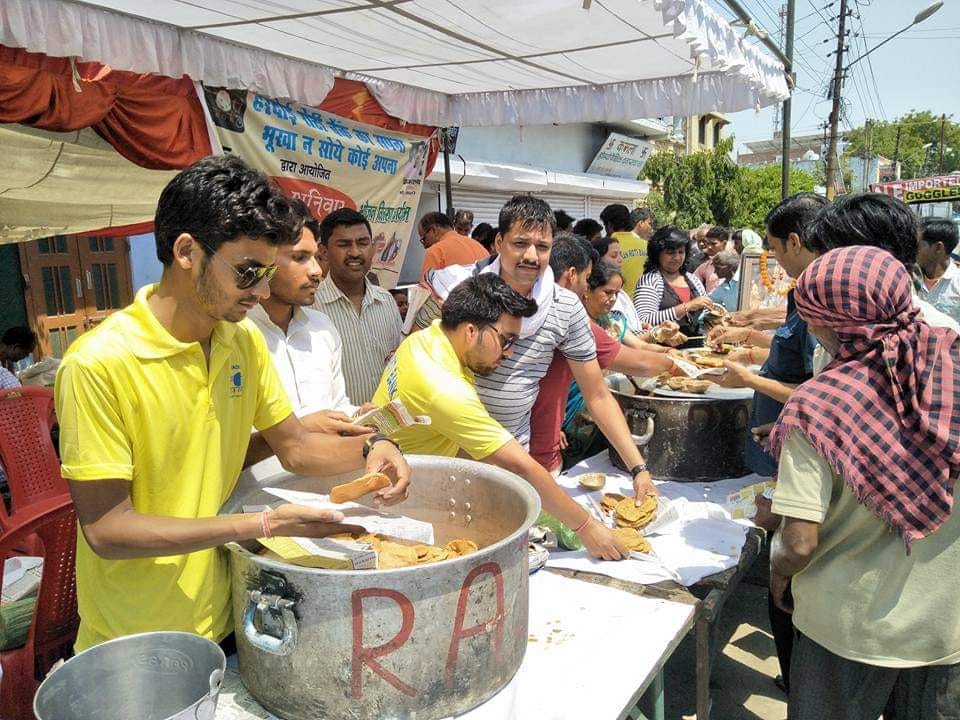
(890, 400)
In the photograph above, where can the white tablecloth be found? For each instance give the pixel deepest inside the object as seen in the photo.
(705, 541)
(574, 647)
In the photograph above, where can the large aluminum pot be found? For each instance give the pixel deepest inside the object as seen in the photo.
(150, 676)
(685, 439)
(422, 642)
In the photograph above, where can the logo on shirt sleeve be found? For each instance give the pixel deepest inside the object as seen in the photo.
(236, 381)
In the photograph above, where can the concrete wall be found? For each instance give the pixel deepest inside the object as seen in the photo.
(566, 148)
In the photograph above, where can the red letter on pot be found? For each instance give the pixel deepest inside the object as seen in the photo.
(366, 656)
(459, 632)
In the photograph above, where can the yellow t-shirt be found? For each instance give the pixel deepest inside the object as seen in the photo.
(427, 376)
(862, 597)
(136, 404)
(633, 254)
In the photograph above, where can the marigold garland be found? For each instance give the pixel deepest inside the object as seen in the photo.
(768, 283)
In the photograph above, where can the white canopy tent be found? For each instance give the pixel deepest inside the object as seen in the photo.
(437, 62)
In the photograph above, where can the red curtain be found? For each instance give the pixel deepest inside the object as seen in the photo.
(351, 99)
(153, 121)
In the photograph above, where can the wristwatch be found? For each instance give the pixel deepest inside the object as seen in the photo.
(635, 470)
(374, 439)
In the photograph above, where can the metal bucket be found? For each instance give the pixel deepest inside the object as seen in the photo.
(421, 642)
(150, 676)
(693, 439)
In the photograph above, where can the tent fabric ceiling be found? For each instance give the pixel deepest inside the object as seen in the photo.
(437, 62)
(58, 184)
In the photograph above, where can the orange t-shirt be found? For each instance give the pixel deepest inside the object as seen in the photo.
(452, 249)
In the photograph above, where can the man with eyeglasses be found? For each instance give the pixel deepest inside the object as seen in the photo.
(156, 406)
(366, 316)
(434, 373)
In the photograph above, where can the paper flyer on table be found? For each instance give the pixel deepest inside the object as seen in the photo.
(375, 521)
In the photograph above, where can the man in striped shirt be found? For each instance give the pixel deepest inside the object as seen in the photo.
(560, 325)
(366, 316)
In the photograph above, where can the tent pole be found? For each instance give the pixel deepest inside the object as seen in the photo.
(447, 185)
(788, 47)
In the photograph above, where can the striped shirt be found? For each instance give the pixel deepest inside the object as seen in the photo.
(649, 295)
(369, 337)
(510, 391)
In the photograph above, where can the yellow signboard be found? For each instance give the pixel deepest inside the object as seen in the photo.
(932, 194)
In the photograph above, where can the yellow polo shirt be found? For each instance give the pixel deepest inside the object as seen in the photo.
(136, 404)
(427, 376)
(633, 256)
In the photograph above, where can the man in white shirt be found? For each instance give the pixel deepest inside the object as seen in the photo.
(303, 342)
(941, 278)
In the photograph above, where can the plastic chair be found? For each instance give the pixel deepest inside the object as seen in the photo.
(27, 418)
(55, 620)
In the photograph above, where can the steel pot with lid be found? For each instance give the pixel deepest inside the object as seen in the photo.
(420, 642)
(685, 438)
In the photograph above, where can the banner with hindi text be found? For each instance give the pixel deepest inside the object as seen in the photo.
(330, 162)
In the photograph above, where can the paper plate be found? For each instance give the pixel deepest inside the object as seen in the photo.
(714, 392)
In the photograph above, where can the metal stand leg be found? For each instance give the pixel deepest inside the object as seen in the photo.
(703, 668)
(656, 696)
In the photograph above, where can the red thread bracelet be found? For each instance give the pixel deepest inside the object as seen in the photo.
(582, 525)
(265, 524)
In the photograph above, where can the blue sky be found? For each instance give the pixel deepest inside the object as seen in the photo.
(917, 70)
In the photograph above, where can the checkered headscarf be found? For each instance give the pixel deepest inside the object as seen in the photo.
(886, 412)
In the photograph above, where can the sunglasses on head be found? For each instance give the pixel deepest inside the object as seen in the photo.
(248, 276)
(506, 341)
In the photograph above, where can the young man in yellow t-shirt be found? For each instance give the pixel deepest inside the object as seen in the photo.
(617, 222)
(156, 406)
(432, 373)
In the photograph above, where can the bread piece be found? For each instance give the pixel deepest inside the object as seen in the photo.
(697, 387)
(707, 361)
(369, 483)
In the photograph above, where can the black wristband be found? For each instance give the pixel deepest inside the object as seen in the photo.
(374, 439)
(636, 469)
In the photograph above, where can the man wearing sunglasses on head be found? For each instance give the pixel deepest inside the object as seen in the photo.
(156, 406)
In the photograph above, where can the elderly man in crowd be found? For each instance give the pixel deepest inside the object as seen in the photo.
(869, 456)
(366, 316)
(434, 373)
(726, 263)
(446, 245)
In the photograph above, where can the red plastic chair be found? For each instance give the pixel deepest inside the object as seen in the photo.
(29, 459)
(55, 620)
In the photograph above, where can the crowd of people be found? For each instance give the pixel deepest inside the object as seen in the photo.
(856, 411)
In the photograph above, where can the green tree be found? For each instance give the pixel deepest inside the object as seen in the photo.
(692, 189)
(919, 143)
(760, 192)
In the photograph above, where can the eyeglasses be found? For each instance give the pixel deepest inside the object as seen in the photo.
(506, 341)
(248, 276)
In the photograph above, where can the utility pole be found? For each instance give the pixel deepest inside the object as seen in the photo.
(788, 48)
(896, 156)
(943, 122)
(782, 14)
(832, 164)
(865, 155)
